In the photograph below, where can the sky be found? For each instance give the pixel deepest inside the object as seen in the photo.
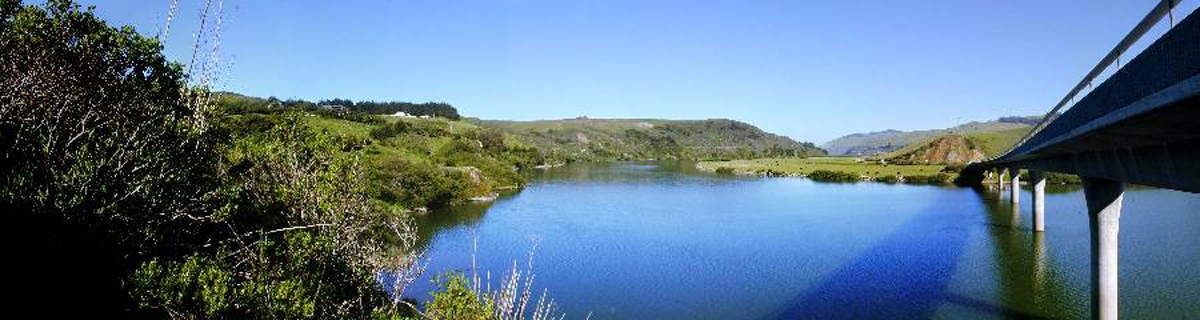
(811, 70)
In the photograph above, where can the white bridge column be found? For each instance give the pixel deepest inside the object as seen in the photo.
(1000, 177)
(1016, 185)
(1104, 212)
(1038, 179)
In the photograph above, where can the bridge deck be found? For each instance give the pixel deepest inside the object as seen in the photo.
(1142, 125)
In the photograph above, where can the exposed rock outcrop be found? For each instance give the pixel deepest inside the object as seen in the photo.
(948, 149)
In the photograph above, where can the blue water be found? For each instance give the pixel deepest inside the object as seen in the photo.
(650, 241)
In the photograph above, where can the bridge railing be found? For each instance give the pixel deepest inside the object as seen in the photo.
(1156, 15)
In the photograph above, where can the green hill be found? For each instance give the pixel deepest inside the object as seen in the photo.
(956, 148)
(638, 139)
(994, 136)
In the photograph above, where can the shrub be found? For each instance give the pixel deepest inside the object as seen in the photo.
(415, 184)
(388, 130)
(106, 155)
(833, 176)
(456, 299)
(352, 116)
(1062, 178)
(111, 158)
(887, 179)
(724, 170)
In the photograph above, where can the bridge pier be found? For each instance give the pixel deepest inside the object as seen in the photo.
(1016, 186)
(1104, 214)
(1038, 180)
(1000, 178)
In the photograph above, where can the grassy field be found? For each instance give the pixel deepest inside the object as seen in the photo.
(803, 166)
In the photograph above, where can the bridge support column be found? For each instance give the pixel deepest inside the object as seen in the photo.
(1038, 180)
(1000, 177)
(1016, 186)
(1104, 213)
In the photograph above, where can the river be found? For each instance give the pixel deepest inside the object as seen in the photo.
(664, 241)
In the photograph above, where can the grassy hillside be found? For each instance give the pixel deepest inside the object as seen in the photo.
(994, 142)
(992, 135)
(947, 149)
(630, 139)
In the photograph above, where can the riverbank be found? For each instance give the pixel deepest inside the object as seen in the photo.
(833, 169)
(846, 169)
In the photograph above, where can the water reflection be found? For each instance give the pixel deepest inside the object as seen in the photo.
(1028, 284)
(643, 241)
(664, 172)
(460, 216)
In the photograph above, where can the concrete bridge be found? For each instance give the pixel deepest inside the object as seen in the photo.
(1141, 126)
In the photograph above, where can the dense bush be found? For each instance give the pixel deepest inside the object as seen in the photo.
(351, 116)
(833, 176)
(388, 130)
(469, 153)
(887, 179)
(1062, 178)
(416, 185)
(111, 159)
(103, 152)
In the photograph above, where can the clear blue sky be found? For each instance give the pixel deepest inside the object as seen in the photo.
(812, 70)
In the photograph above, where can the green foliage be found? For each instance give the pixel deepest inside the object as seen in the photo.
(105, 154)
(389, 130)
(1062, 178)
(109, 158)
(724, 170)
(192, 286)
(352, 116)
(455, 298)
(416, 184)
(833, 176)
(888, 179)
(240, 104)
(640, 139)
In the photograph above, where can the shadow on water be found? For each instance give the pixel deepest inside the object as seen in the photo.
(905, 276)
(908, 274)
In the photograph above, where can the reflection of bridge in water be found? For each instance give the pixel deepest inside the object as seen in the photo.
(1138, 126)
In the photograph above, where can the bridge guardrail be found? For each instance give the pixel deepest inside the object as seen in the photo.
(1162, 9)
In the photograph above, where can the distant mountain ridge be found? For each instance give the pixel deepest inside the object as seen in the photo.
(641, 139)
(886, 141)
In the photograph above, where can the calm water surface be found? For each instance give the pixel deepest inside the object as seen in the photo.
(662, 241)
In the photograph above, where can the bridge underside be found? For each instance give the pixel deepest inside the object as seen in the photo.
(1159, 149)
(1141, 126)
